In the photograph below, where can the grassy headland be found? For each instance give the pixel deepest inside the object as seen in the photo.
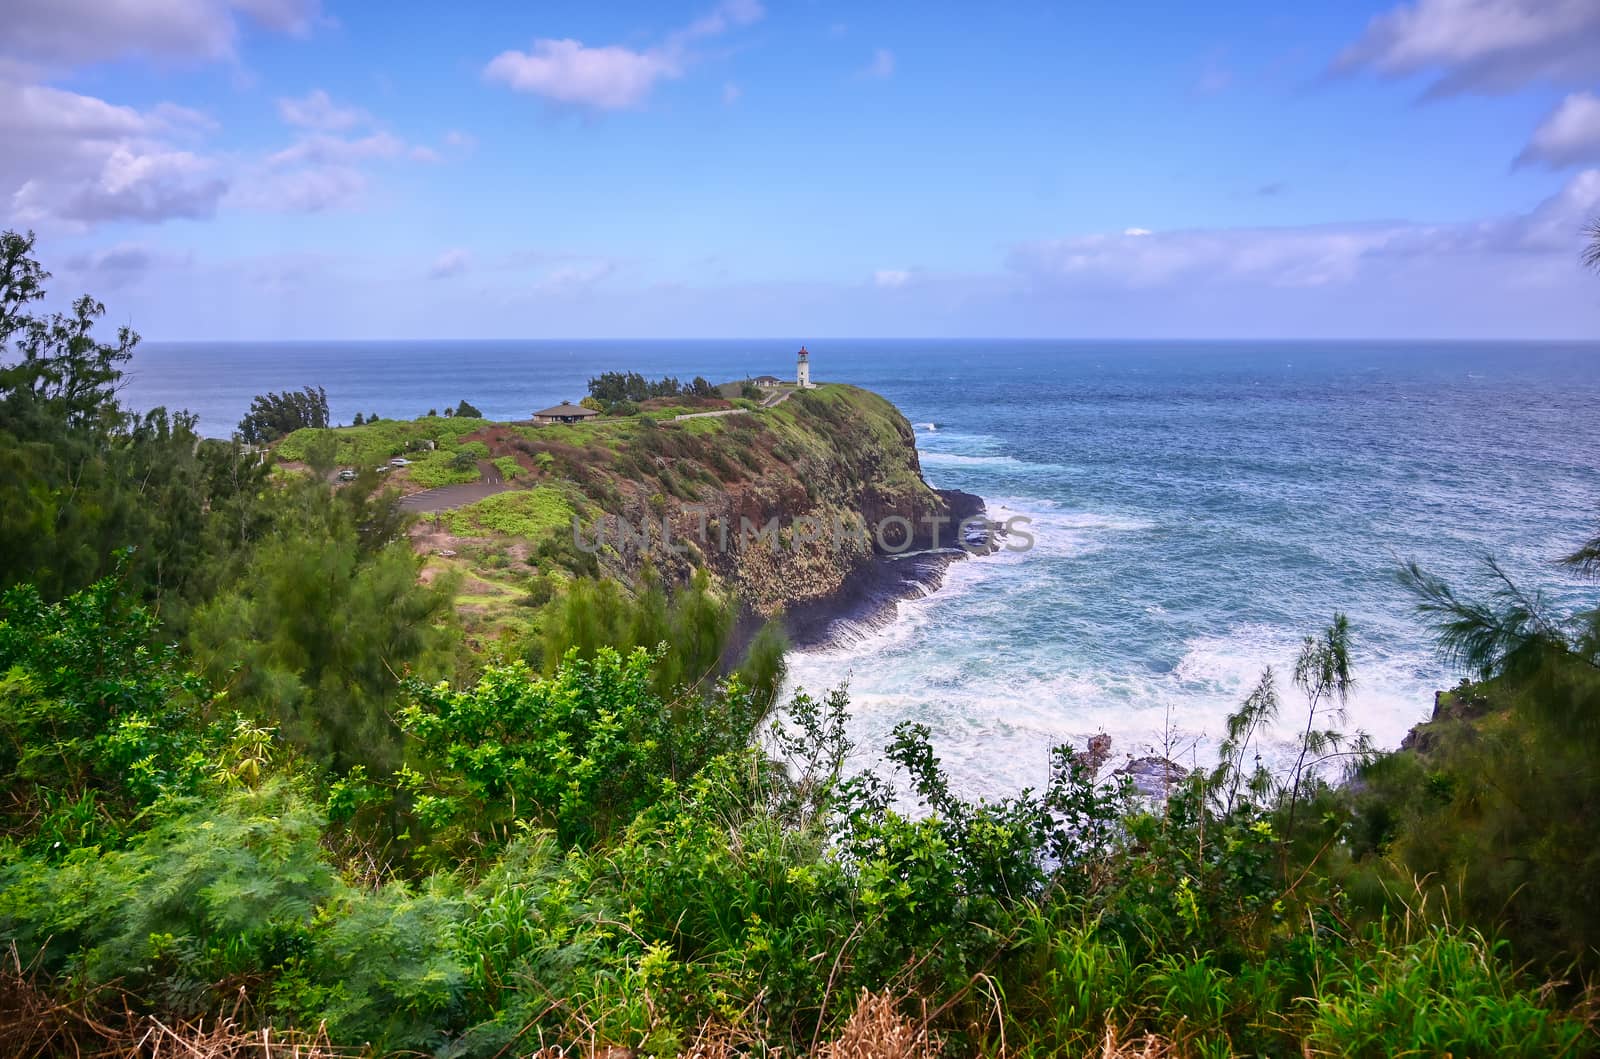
(830, 454)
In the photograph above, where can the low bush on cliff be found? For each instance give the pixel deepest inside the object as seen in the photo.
(528, 514)
(374, 443)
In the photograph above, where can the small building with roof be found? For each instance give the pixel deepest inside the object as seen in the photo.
(564, 413)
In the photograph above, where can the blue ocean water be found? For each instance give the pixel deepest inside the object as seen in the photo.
(1198, 507)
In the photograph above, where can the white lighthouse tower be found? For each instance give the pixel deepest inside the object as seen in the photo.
(802, 370)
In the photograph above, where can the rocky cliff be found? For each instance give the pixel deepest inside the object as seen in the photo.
(795, 506)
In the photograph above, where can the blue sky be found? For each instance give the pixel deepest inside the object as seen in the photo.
(266, 169)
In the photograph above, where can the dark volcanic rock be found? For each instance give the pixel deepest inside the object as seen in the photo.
(1152, 776)
(1463, 703)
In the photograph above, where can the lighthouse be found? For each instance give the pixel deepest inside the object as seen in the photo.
(802, 370)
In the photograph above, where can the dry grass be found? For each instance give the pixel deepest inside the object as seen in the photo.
(34, 1023)
(877, 1030)
(1146, 1047)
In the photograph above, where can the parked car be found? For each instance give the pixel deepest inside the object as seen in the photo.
(399, 461)
(347, 474)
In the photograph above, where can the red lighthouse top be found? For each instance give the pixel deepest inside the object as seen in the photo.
(803, 352)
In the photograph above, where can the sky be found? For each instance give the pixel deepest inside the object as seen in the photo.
(301, 169)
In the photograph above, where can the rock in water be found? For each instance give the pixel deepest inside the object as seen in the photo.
(1153, 777)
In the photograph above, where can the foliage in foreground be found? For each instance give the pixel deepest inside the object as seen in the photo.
(562, 859)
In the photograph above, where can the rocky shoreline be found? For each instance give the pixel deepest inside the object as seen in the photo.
(870, 598)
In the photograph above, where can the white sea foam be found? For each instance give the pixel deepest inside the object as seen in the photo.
(996, 699)
(944, 660)
(956, 459)
(1390, 694)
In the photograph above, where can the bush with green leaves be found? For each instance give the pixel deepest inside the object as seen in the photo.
(205, 899)
(98, 722)
(579, 752)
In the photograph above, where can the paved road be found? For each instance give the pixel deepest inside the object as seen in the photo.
(712, 415)
(447, 497)
(770, 402)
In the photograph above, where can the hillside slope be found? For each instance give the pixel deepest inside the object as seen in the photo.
(785, 504)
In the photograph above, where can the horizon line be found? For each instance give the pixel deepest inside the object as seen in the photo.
(144, 341)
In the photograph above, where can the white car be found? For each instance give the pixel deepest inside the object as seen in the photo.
(399, 461)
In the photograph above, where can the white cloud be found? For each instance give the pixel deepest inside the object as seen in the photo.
(309, 189)
(891, 277)
(461, 141)
(576, 278)
(611, 77)
(731, 93)
(81, 160)
(85, 31)
(336, 150)
(723, 17)
(1569, 135)
(1482, 45)
(1306, 257)
(450, 263)
(881, 66)
(608, 78)
(318, 111)
(121, 265)
(322, 169)
(285, 16)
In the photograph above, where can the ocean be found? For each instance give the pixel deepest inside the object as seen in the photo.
(1198, 508)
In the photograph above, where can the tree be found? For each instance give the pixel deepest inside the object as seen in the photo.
(83, 477)
(692, 629)
(359, 420)
(701, 387)
(465, 409)
(1502, 807)
(324, 620)
(613, 387)
(274, 415)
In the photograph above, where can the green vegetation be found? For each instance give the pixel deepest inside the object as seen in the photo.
(378, 441)
(529, 514)
(617, 387)
(252, 770)
(273, 415)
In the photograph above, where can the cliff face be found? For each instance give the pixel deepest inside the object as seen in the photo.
(786, 504)
(789, 505)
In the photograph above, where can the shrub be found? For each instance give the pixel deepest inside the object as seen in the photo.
(526, 513)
